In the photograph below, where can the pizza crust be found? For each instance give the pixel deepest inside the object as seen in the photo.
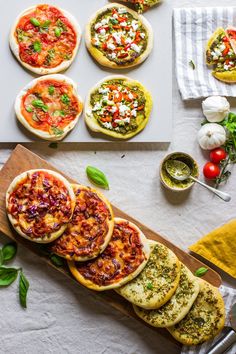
(11, 188)
(100, 57)
(177, 307)
(228, 77)
(96, 127)
(162, 287)
(108, 235)
(89, 284)
(43, 134)
(43, 71)
(205, 319)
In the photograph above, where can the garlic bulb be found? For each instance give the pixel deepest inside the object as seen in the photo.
(211, 136)
(215, 108)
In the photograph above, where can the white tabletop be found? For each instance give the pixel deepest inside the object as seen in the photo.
(62, 317)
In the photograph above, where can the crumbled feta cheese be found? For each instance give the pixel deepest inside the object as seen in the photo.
(123, 23)
(98, 25)
(215, 57)
(134, 113)
(226, 67)
(126, 120)
(135, 47)
(122, 10)
(222, 47)
(112, 55)
(217, 52)
(142, 35)
(123, 109)
(115, 16)
(103, 90)
(131, 33)
(111, 46)
(135, 103)
(117, 37)
(114, 109)
(107, 125)
(97, 106)
(96, 41)
(131, 96)
(102, 31)
(134, 25)
(128, 40)
(231, 63)
(104, 21)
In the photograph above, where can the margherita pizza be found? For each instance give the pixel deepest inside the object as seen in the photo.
(40, 204)
(49, 106)
(90, 228)
(45, 39)
(124, 258)
(118, 106)
(117, 37)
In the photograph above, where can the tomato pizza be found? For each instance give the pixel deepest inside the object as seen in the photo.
(90, 228)
(40, 204)
(117, 37)
(123, 259)
(118, 106)
(49, 106)
(45, 39)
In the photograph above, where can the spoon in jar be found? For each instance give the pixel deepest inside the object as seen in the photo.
(180, 171)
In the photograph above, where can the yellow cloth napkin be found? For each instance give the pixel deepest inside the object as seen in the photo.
(219, 247)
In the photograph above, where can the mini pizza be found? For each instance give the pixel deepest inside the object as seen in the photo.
(156, 284)
(225, 71)
(219, 48)
(45, 39)
(124, 258)
(90, 228)
(117, 37)
(40, 204)
(177, 307)
(49, 106)
(142, 5)
(205, 319)
(118, 106)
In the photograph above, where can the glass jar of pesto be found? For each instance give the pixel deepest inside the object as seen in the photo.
(170, 182)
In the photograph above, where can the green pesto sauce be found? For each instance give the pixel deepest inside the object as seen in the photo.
(173, 183)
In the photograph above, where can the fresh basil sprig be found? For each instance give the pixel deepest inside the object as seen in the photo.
(97, 177)
(23, 289)
(201, 271)
(56, 260)
(9, 274)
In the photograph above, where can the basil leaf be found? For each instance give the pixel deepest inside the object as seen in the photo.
(53, 145)
(9, 251)
(58, 31)
(59, 113)
(57, 131)
(201, 271)
(39, 104)
(29, 109)
(7, 275)
(35, 22)
(51, 90)
(56, 260)
(191, 63)
(1, 258)
(37, 46)
(65, 99)
(97, 177)
(45, 24)
(149, 286)
(23, 289)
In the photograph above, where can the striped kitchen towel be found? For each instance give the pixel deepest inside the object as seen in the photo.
(193, 27)
(229, 295)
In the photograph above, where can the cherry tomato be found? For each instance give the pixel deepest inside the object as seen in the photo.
(217, 155)
(211, 170)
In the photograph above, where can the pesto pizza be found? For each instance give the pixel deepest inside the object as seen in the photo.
(123, 259)
(118, 106)
(45, 39)
(90, 228)
(142, 5)
(49, 106)
(117, 37)
(40, 204)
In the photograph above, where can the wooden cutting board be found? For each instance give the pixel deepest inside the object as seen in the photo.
(21, 160)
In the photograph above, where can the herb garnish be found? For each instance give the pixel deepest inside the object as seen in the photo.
(39, 104)
(51, 90)
(191, 63)
(57, 131)
(37, 46)
(149, 286)
(35, 22)
(58, 31)
(201, 271)
(9, 274)
(65, 99)
(97, 177)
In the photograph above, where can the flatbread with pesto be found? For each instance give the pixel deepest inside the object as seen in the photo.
(179, 304)
(226, 71)
(205, 319)
(142, 5)
(118, 106)
(158, 281)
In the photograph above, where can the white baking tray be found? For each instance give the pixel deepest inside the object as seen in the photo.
(155, 73)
